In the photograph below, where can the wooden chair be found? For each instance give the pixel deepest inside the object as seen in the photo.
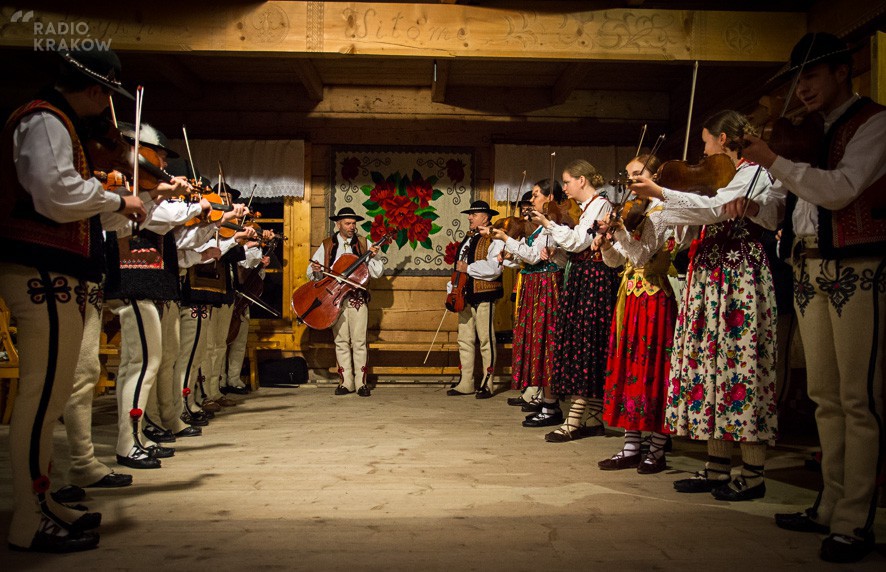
(8, 367)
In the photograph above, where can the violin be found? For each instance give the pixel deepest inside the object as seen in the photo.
(703, 178)
(455, 299)
(318, 304)
(514, 227)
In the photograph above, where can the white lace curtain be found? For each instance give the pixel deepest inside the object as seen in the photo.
(512, 160)
(276, 167)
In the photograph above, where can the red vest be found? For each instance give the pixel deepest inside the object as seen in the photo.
(859, 229)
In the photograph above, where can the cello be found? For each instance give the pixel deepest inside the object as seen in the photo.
(318, 304)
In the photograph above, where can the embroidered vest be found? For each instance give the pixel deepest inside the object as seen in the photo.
(860, 228)
(148, 267)
(30, 239)
(478, 291)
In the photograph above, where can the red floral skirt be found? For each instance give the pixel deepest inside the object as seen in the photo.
(534, 329)
(639, 362)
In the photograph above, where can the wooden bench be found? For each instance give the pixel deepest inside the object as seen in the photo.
(9, 371)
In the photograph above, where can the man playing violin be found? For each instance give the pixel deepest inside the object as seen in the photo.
(350, 328)
(146, 300)
(478, 257)
(49, 207)
(837, 220)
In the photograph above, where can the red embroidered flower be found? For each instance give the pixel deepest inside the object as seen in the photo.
(379, 228)
(451, 253)
(186, 391)
(420, 189)
(420, 230)
(350, 168)
(400, 211)
(135, 413)
(455, 170)
(41, 484)
(739, 392)
(735, 319)
(383, 193)
(697, 392)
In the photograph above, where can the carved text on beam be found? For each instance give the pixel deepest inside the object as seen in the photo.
(366, 28)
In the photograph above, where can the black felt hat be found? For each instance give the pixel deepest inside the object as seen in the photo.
(525, 200)
(101, 66)
(346, 212)
(480, 207)
(813, 49)
(234, 193)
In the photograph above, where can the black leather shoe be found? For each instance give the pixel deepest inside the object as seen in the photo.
(484, 393)
(190, 432)
(159, 452)
(89, 521)
(619, 461)
(159, 436)
(517, 401)
(698, 484)
(738, 490)
(342, 390)
(68, 494)
(364, 391)
(74, 542)
(146, 463)
(112, 481)
(453, 393)
(651, 465)
(843, 549)
(800, 522)
(533, 407)
(235, 390)
(194, 420)
(543, 419)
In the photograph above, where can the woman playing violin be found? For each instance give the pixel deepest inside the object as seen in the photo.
(534, 327)
(584, 309)
(722, 376)
(642, 329)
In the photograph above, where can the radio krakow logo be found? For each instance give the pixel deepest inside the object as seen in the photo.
(61, 35)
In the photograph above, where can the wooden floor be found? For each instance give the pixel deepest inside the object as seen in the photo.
(409, 479)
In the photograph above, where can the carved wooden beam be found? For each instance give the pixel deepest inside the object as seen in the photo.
(441, 78)
(572, 78)
(310, 79)
(444, 30)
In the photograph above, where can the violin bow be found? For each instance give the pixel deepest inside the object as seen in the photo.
(519, 194)
(139, 99)
(691, 105)
(642, 136)
(188, 147)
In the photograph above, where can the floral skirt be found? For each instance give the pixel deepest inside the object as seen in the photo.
(639, 362)
(722, 382)
(584, 315)
(534, 329)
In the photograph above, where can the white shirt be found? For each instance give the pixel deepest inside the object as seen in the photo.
(43, 155)
(579, 238)
(863, 162)
(654, 232)
(532, 254)
(376, 266)
(689, 208)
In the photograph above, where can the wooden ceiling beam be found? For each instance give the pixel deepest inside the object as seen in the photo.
(309, 78)
(439, 81)
(429, 30)
(572, 78)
